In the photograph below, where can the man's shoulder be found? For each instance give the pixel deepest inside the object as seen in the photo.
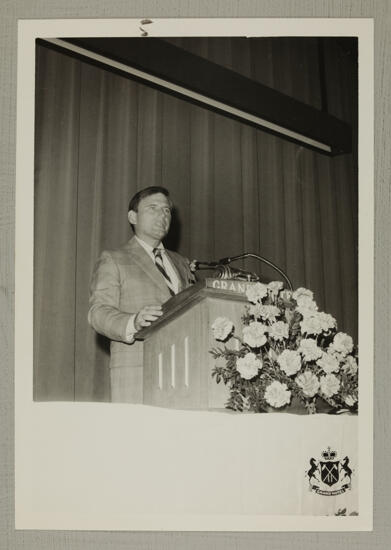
(124, 248)
(119, 253)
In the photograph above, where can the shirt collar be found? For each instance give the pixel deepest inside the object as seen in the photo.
(148, 247)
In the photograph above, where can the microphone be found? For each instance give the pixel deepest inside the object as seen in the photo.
(225, 261)
(199, 264)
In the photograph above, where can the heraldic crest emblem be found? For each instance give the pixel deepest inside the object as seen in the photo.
(329, 476)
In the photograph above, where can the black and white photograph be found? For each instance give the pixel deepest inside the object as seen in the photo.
(195, 204)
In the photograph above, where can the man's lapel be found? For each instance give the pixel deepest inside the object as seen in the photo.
(145, 262)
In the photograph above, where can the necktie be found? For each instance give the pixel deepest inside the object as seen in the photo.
(159, 264)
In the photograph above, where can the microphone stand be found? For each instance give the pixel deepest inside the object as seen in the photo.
(226, 261)
(197, 264)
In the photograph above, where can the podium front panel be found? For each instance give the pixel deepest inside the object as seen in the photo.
(177, 360)
(171, 358)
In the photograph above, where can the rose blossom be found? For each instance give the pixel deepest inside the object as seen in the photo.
(248, 366)
(254, 334)
(268, 313)
(277, 394)
(308, 382)
(328, 363)
(311, 325)
(329, 385)
(274, 287)
(343, 343)
(309, 349)
(289, 361)
(256, 292)
(221, 328)
(279, 330)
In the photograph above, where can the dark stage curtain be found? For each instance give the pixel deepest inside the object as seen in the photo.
(101, 137)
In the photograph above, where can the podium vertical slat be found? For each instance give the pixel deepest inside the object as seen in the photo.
(177, 360)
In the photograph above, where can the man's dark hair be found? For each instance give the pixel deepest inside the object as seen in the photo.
(135, 200)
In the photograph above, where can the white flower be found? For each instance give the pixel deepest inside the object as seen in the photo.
(268, 313)
(221, 328)
(248, 366)
(274, 287)
(308, 382)
(306, 301)
(307, 310)
(300, 292)
(327, 321)
(350, 365)
(350, 400)
(255, 310)
(311, 325)
(289, 361)
(277, 394)
(279, 330)
(254, 334)
(332, 351)
(305, 305)
(309, 349)
(343, 343)
(328, 363)
(329, 385)
(256, 292)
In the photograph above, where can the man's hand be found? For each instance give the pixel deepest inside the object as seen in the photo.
(146, 316)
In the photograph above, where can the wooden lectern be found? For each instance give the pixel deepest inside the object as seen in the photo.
(177, 359)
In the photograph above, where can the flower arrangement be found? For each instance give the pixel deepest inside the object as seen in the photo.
(288, 349)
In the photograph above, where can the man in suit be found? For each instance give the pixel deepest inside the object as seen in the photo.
(129, 286)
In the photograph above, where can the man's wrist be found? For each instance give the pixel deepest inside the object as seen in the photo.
(130, 329)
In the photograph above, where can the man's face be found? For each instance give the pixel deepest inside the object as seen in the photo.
(152, 219)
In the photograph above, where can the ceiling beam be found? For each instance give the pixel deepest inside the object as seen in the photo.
(173, 70)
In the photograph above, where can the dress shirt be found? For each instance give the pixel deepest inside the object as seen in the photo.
(130, 328)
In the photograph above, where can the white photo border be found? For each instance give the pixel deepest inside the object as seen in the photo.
(29, 414)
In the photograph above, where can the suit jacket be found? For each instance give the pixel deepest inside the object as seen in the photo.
(125, 280)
